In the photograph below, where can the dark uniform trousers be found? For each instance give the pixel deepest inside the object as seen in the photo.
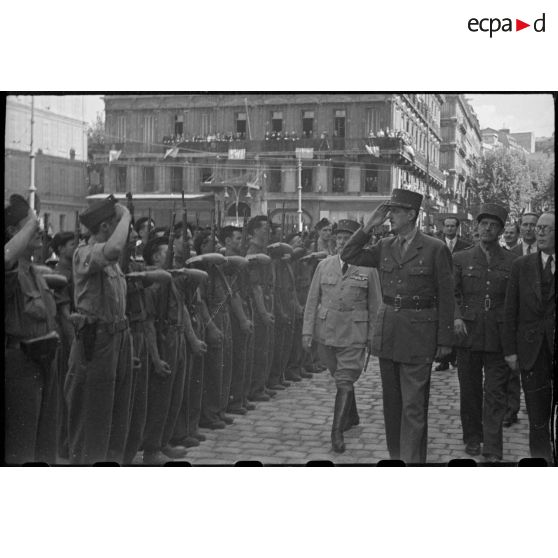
(98, 394)
(138, 412)
(513, 400)
(263, 338)
(295, 360)
(240, 364)
(164, 395)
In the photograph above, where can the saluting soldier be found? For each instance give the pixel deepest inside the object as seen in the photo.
(31, 343)
(99, 382)
(415, 321)
(481, 275)
(340, 312)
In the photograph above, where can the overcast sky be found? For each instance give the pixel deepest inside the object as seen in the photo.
(520, 113)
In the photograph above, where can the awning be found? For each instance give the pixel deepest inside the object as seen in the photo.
(153, 197)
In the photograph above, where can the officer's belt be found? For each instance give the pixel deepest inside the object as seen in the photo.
(113, 327)
(411, 302)
(362, 307)
(484, 303)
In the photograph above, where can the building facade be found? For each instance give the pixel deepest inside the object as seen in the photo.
(522, 142)
(460, 154)
(345, 151)
(60, 146)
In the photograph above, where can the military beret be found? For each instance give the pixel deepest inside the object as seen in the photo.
(279, 249)
(17, 210)
(493, 210)
(151, 247)
(405, 198)
(205, 259)
(236, 261)
(322, 223)
(55, 281)
(141, 221)
(98, 212)
(60, 239)
(291, 236)
(299, 253)
(347, 225)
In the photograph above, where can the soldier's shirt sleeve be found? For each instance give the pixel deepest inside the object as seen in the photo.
(11, 283)
(90, 258)
(445, 293)
(355, 252)
(312, 301)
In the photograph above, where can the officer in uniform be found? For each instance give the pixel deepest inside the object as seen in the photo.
(340, 312)
(415, 321)
(481, 276)
(99, 382)
(31, 343)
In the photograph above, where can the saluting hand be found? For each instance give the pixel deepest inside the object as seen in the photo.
(378, 217)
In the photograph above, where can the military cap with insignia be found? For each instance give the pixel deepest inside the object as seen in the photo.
(406, 199)
(324, 222)
(279, 249)
(347, 225)
(98, 211)
(493, 210)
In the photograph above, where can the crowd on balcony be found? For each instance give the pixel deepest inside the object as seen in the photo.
(221, 137)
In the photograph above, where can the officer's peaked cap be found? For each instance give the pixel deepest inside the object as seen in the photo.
(493, 210)
(405, 198)
(347, 225)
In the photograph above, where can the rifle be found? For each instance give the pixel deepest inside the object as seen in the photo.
(44, 255)
(148, 224)
(170, 249)
(212, 217)
(283, 223)
(244, 233)
(76, 229)
(125, 259)
(185, 243)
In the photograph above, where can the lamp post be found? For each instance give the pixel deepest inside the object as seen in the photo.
(237, 192)
(32, 187)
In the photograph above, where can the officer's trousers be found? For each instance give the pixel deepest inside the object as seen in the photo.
(406, 392)
(240, 365)
(262, 357)
(295, 360)
(138, 413)
(537, 387)
(483, 404)
(280, 332)
(513, 392)
(98, 394)
(345, 364)
(164, 395)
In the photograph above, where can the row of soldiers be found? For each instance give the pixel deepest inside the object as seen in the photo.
(137, 344)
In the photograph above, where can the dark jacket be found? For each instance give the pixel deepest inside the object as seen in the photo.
(409, 335)
(529, 321)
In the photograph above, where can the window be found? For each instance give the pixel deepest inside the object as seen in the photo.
(62, 223)
(178, 125)
(306, 180)
(276, 121)
(338, 176)
(176, 179)
(371, 180)
(148, 179)
(241, 124)
(148, 129)
(206, 174)
(121, 179)
(339, 124)
(372, 120)
(204, 124)
(275, 180)
(121, 128)
(307, 123)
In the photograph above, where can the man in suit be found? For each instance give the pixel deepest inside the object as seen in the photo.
(511, 236)
(481, 275)
(455, 244)
(528, 243)
(339, 315)
(529, 329)
(415, 321)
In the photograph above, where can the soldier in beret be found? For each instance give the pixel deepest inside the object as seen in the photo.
(340, 312)
(481, 276)
(99, 382)
(415, 321)
(31, 391)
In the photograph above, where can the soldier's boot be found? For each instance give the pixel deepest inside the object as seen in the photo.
(352, 418)
(343, 402)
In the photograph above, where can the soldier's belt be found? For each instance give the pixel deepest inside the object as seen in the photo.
(40, 350)
(410, 302)
(113, 327)
(487, 303)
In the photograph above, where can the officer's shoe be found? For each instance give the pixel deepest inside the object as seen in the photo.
(259, 397)
(237, 411)
(198, 436)
(511, 419)
(226, 419)
(473, 448)
(271, 392)
(293, 376)
(249, 406)
(285, 383)
(154, 458)
(174, 452)
(276, 387)
(343, 403)
(491, 458)
(442, 366)
(214, 425)
(187, 442)
(305, 374)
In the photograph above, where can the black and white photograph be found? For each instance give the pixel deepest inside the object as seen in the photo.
(284, 278)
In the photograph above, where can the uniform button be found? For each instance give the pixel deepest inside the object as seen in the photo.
(488, 282)
(399, 281)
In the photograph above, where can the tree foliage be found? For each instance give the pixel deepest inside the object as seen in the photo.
(96, 131)
(517, 180)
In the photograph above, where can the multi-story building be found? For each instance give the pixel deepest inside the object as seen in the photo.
(460, 154)
(60, 147)
(522, 142)
(345, 151)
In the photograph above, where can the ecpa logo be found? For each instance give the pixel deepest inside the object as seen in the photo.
(494, 24)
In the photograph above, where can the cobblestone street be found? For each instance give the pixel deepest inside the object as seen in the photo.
(294, 427)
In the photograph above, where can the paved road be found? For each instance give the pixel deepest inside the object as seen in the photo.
(294, 427)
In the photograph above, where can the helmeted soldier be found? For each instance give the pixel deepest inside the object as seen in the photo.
(340, 312)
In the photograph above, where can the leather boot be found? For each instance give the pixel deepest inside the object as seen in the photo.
(352, 418)
(343, 402)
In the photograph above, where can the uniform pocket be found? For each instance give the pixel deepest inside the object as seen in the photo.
(420, 270)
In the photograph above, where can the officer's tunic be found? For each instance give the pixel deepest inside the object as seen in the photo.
(405, 339)
(98, 391)
(480, 290)
(30, 392)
